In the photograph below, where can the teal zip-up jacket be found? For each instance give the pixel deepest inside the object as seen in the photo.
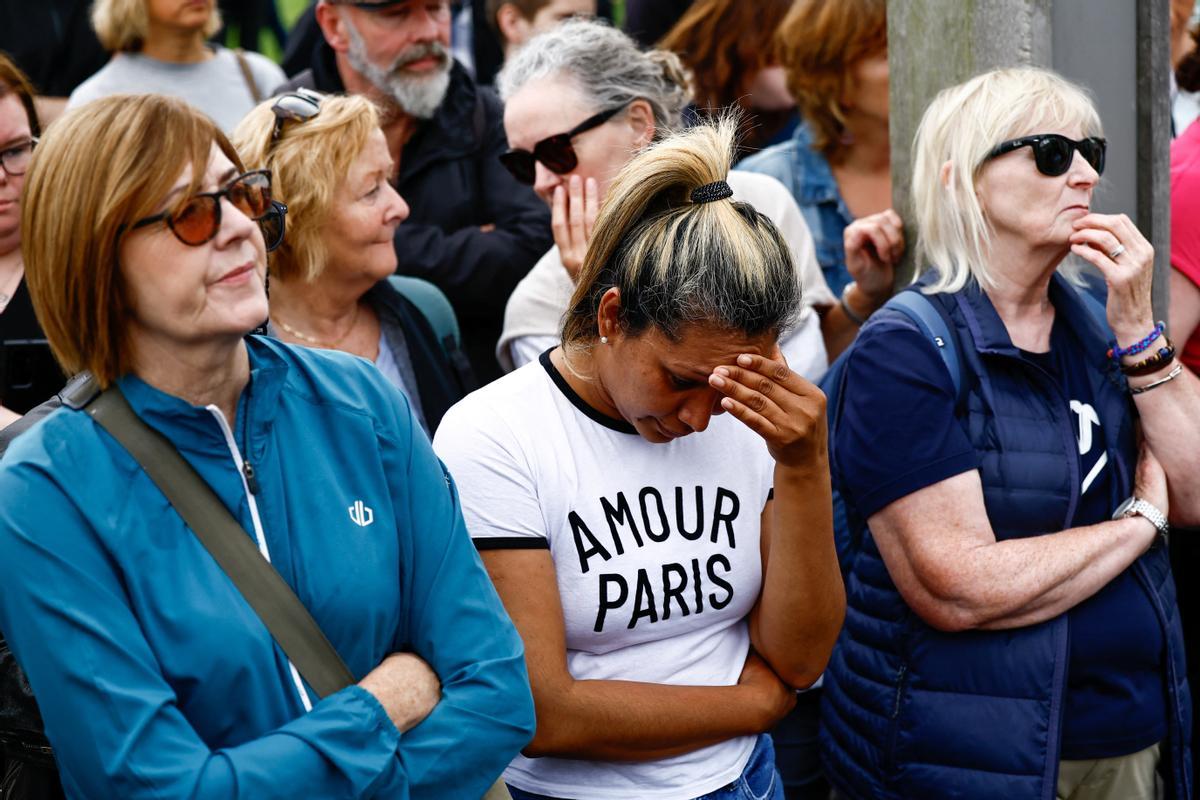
(154, 676)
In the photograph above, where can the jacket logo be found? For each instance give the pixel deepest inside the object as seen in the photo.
(361, 514)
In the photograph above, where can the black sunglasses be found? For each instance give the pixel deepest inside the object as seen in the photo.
(300, 105)
(198, 219)
(556, 151)
(274, 225)
(1053, 153)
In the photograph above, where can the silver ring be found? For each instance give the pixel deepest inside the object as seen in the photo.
(1119, 249)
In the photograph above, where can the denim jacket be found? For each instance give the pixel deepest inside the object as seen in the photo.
(806, 173)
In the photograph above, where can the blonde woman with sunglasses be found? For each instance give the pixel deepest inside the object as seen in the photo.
(1012, 628)
(154, 675)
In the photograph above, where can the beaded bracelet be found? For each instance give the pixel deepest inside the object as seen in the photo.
(1172, 375)
(1151, 364)
(1138, 347)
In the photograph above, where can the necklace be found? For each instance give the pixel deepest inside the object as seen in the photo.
(8, 290)
(314, 341)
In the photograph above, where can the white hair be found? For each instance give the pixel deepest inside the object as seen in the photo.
(960, 128)
(606, 65)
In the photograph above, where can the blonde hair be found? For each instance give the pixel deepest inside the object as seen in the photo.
(961, 127)
(678, 262)
(308, 162)
(122, 25)
(77, 208)
(818, 44)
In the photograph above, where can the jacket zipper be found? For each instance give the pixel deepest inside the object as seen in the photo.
(890, 753)
(250, 485)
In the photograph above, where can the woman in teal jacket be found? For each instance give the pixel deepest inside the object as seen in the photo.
(154, 676)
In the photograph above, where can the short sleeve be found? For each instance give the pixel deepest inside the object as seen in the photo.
(495, 482)
(897, 432)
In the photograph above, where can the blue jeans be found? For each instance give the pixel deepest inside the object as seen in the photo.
(758, 781)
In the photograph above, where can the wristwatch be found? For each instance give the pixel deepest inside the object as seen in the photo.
(1143, 508)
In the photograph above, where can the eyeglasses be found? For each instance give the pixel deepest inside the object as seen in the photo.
(15, 160)
(199, 218)
(1053, 153)
(300, 105)
(274, 225)
(556, 151)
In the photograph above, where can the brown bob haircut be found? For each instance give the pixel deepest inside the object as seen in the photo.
(818, 44)
(13, 81)
(98, 169)
(723, 42)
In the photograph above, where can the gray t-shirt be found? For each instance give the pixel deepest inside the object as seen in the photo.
(216, 86)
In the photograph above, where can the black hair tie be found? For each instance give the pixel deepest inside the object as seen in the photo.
(717, 190)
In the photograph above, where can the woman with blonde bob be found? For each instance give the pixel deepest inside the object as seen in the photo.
(332, 281)
(154, 675)
(652, 498)
(161, 46)
(1012, 629)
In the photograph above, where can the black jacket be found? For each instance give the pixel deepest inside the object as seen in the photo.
(452, 179)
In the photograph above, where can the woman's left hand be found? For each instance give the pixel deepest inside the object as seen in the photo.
(778, 405)
(1114, 245)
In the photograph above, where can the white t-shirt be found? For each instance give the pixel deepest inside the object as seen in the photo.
(533, 316)
(655, 548)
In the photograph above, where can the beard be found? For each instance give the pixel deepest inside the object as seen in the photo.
(416, 94)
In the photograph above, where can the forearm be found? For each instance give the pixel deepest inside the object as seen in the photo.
(1019, 582)
(800, 612)
(633, 721)
(1168, 416)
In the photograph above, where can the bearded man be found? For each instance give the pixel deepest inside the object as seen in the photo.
(473, 229)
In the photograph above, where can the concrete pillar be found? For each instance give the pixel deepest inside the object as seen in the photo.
(1119, 49)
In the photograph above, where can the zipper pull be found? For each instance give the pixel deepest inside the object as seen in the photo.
(251, 481)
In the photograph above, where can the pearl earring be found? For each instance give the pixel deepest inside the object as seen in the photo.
(603, 340)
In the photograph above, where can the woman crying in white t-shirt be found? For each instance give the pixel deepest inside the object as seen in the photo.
(652, 498)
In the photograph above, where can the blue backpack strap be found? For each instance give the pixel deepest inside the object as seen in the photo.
(917, 307)
(920, 309)
(430, 301)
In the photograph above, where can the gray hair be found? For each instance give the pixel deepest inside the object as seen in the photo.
(606, 65)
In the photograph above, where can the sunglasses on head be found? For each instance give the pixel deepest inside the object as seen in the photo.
(198, 219)
(300, 106)
(556, 151)
(1053, 153)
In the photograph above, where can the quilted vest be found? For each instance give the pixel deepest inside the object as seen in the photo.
(913, 712)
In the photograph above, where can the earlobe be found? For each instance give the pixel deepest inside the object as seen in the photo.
(641, 121)
(608, 314)
(330, 21)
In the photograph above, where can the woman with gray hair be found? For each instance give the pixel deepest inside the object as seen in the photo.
(670, 567)
(1012, 629)
(580, 102)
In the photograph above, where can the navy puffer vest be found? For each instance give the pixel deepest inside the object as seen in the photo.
(912, 712)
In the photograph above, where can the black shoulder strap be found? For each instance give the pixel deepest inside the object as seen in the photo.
(271, 598)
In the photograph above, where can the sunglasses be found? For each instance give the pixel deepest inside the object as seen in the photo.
(198, 219)
(554, 151)
(1053, 153)
(300, 106)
